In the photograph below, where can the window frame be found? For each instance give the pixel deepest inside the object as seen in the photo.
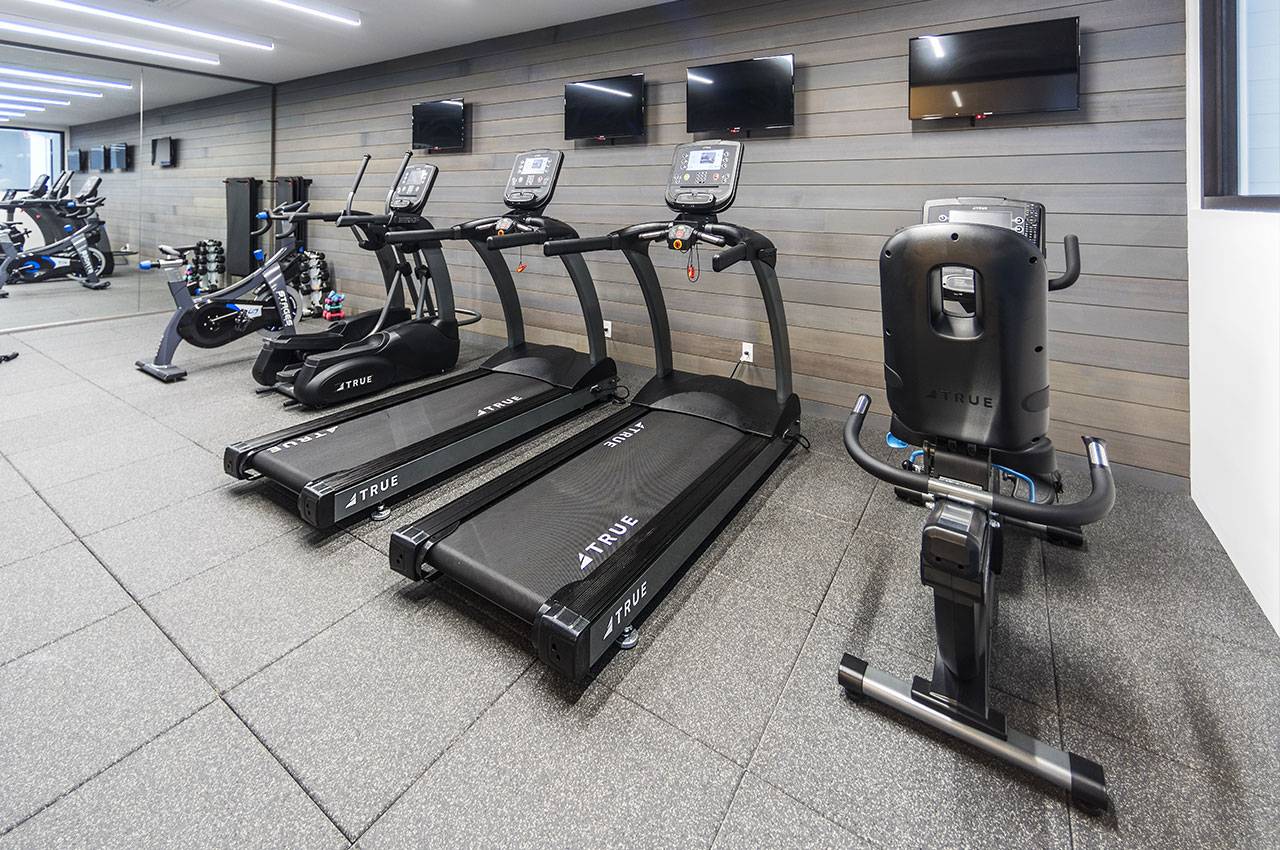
(62, 140)
(1219, 112)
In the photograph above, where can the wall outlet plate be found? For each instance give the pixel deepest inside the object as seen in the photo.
(748, 353)
(608, 329)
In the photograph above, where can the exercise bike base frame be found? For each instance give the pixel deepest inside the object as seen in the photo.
(167, 374)
(1082, 778)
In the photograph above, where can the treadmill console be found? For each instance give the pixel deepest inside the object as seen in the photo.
(410, 194)
(533, 179)
(1025, 217)
(704, 176)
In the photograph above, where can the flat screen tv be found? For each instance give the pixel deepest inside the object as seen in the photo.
(440, 125)
(164, 152)
(748, 95)
(98, 158)
(1021, 68)
(75, 160)
(610, 108)
(120, 157)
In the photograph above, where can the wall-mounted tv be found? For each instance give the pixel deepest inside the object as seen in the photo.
(610, 108)
(98, 158)
(75, 160)
(164, 152)
(440, 125)
(748, 95)
(1021, 68)
(119, 157)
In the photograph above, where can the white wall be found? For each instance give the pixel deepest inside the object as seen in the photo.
(1234, 265)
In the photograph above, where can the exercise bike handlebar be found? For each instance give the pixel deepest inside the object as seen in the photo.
(1092, 508)
(1071, 245)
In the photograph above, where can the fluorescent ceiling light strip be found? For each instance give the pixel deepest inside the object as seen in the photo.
(12, 114)
(50, 101)
(5, 84)
(26, 106)
(605, 89)
(77, 38)
(329, 13)
(26, 73)
(95, 11)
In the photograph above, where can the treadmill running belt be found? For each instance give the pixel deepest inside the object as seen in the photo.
(565, 524)
(382, 432)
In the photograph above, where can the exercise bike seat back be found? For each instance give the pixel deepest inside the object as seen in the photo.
(964, 309)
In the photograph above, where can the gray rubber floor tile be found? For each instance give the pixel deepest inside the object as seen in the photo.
(762, 816)
(237, 618)
(207, 783)
(91, 452)
(1192, 697)
(827, 485)
(51, 594)
(358, 713)
(112, 497)
(241, 415)
(548, 765)
(72, 413)
(30, 528)
(32, 372)
(71, 709)
(713, 662)
(148, 555)
(1158, 803)
(877, 595)
(12, 485)
(826, 436)
(893, 781)
(1200, 587)
(790, 553)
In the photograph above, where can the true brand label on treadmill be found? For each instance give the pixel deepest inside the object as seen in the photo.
(624, 435)
(498, 405)
(377, 488)
(306, 438)
(599, 548)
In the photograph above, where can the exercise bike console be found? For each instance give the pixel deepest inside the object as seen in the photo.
(1024, 217)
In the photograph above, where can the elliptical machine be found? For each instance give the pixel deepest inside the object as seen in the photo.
(964, 300)
(260, 301)
(372, 351)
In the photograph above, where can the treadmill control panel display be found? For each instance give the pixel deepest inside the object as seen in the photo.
(410, 194)
(704, 176)
(533, 179)
(1024, 217)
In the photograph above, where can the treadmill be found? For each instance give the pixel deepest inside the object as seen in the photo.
(357, 461)
(580, 541)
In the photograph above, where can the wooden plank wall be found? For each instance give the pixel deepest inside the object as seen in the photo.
(219, 137)
(828, 192)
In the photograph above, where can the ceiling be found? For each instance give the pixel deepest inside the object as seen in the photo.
(304, 44)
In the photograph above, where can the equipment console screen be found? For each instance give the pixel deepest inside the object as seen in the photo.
(535, 165)
(414, 179)
(707, 160)
(998, 218)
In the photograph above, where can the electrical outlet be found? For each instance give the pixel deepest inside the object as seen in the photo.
(748, 353)
(608, 329)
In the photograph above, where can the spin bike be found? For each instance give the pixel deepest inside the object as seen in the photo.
(260, 301)
(964, 299)
(76, 256)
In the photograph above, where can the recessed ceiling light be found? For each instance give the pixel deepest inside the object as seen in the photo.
(5, 84)
(46, 32)
(240, 41)
(25, 99)
(330, 13)
(28, 74)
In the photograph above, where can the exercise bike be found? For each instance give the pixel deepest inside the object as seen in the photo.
(44, 215)
(260, 301)
(76, 256)
(390, 346)
(964, 298)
